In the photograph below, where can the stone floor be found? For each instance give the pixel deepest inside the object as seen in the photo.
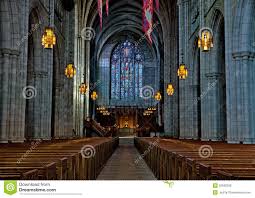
(125, 164)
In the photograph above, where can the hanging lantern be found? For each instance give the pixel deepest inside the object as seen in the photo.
(83, 88)
(205, 40)
(70, 71)
(146, 114)
(151, 109)
(101, 109)
(182, 72)
(158, 96)
(106, 114)
(49, 38)
(94, 95)
(170, 90)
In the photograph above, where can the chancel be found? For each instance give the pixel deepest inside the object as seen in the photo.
(152, 89)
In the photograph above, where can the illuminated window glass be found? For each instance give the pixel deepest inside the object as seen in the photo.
(126, 71)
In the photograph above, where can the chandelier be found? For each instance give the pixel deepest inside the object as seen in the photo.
(94, 95)
(101, 108)
(182, 72)
(146, 114)
(205, 40)
(158, 96)
(103, 111)
(170, 90)
(49, 38)
(152, 109)
(83, 88)
(70, 71)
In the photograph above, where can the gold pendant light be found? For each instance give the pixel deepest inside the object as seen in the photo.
(158, 96)
(205, 40)
(170, 89)
(70, 71)
(83, 88)
(94, 95)
(182, 71)
(49, 37)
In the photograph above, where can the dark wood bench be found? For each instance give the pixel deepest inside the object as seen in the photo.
(176, 159)
(58, 160)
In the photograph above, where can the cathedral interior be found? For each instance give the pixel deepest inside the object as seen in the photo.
(127, 89)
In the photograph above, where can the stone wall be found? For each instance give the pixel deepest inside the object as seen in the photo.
(220, 98)
(27, 65)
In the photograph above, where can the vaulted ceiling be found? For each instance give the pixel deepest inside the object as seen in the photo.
(125, 16)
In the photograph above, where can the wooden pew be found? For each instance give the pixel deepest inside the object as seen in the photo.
(58, 160)
(175, 159)
(47, 172)
(29, 175)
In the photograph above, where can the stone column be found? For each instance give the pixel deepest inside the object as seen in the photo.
(240, 71)
(87, 77)
(14, 93)
(170, 105)
(4, 96)
(11, 94)
(78, 98)
(242, 120)
(206, 87)
(186, 106)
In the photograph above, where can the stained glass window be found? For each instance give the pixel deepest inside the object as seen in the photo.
(126, 71)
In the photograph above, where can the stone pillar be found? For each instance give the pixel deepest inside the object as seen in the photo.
(87, 77)
(4, 121)
(10, 96)
(187, 109)
(170, 116)
(240, 71)
(242, 118)
(78, 98)
(207, 87)
(13, 94)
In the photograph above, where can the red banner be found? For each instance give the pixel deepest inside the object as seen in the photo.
(107, 7)
(100, 11)
(157, 4)
(148, 18)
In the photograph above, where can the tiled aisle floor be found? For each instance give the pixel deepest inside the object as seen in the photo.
(123, 166)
